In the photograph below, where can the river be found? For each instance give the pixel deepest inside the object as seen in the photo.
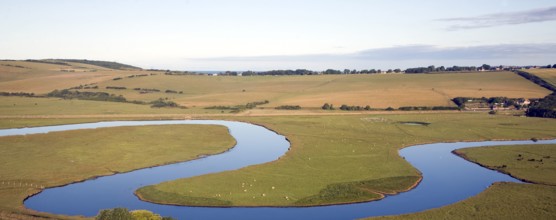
(447, 178)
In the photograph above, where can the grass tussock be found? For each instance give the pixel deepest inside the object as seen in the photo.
(352, 191)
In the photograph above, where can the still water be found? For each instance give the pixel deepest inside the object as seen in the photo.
(446, 178)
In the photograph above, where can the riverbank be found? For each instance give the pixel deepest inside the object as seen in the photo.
(529, 163)
(505, 200)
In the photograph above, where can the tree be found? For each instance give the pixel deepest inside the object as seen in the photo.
(397, 70)
(117, 213)
(145, 215)
(368, 107)
(486, 67)
(332, 71)
(346, 71)
(327, 106)
(554, 66)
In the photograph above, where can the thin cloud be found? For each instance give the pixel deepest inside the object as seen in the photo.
(412, 52)
(391, 57)
(499, 19)
(459, 53)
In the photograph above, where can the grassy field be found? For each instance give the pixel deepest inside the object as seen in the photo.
(338, 159)
(10, 106)
(548, 75)
(379, 91)
(507, 200)
(31, 162)
(534, 163)
(21, 76)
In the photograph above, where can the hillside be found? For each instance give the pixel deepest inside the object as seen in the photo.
(376, 90)
(45, 76)
(106, 64)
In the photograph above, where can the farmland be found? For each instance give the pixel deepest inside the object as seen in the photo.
(193, 91)
(379, 91)
(549, 75)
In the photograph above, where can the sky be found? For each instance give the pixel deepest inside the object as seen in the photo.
(282, 34)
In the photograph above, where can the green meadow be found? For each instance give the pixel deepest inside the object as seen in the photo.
(340, 159)
(33, 162)
(533, 163)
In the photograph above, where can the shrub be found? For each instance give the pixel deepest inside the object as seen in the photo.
(289, 107)
(162, 103)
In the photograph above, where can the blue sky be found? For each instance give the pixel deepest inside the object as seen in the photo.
(281, 34)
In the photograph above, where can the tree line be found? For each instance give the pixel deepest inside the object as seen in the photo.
(537, 80)
(413, 70)
(239, 108)
(107, 97)
(345, 107)
(545, 107)
(492, 101)
(21, 94)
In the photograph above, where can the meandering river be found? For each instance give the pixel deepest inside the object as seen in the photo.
(446, 178)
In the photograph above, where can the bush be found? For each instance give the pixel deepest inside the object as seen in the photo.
(327, 106)
(112, 214)
(161, 103)
(23, 94)
(289, 107)
(95, 96)
(546, 107)
(125, 214)
(116, 87)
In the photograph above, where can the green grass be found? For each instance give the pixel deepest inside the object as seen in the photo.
(27, 122)
(58, 158)
(56, 106)
(534, 163)
(336, 159)
(506, 200)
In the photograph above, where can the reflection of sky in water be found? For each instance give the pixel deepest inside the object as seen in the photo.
(446, 179)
